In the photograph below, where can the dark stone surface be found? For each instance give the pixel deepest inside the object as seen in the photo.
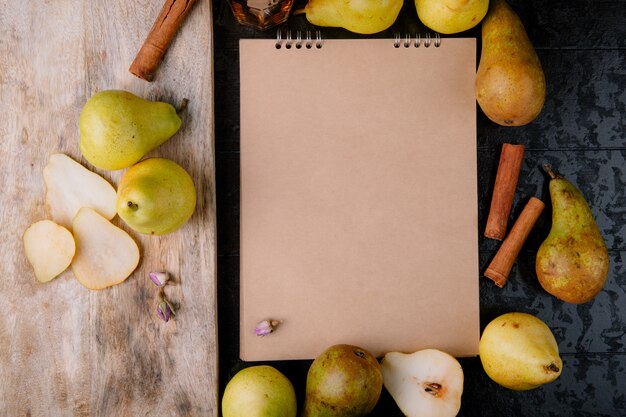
(580, 132)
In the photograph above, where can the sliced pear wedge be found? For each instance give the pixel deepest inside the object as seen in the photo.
(71, 186)
(105, 254)
(428, 382)
(49, 249)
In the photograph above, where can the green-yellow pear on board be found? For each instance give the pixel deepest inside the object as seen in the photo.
(358, 16)
(510, 83)
(156, 196)
(451, 16)
(519, 352)
(117, 128)
(259, 391)
(573, 262)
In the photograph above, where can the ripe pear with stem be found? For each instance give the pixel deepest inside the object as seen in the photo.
(572, 262)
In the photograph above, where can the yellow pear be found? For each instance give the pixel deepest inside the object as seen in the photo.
(117, 128)
(156, 196)
(518, 351)
(451, 16)
(259, 391)
(358, 16)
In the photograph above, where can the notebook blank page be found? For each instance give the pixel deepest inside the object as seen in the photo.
(358, 197)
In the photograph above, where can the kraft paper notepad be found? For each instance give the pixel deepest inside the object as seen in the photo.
(358, 197)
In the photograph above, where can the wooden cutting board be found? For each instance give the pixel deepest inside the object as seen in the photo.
(66, 350)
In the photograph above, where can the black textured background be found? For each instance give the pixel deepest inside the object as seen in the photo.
(581, 132)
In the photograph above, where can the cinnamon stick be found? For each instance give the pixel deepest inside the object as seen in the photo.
(158, 40)
(500, 267)
(504, 190)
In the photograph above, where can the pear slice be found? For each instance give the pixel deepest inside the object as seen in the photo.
(49, 249)
(425, 383)
(71, 186)
(105, 254)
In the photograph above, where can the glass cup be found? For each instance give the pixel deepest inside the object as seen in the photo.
(261, 14)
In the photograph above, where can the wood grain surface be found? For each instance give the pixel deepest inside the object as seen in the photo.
(66, 350)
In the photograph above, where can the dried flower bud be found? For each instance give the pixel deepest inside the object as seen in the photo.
(163, 311)
(159, 278)
(266, 327)
(164, 308)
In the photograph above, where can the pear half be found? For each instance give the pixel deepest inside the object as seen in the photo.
(105, 254)
(428, 382)
(49, 248)
(71, 186)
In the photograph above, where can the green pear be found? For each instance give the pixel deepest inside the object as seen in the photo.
(156, 196)
(358, 16)
(510, 83)
(344, 381)
(573, 262)
(259, 391)
(117, 128)
(451, 16)
(519, 352)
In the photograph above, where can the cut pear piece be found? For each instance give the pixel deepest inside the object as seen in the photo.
(71, 186)
(425, 383)
(105, 254)
(49, 249)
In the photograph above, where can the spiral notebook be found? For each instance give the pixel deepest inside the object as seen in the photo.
(358, 196)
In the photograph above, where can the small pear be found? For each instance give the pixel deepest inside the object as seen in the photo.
(519, 352)
(510, 83)
(358, 16)
(259, 391)
(344, 381)
(573, 262)
(451, 16)
(117, 128)
(156, 196)
(428, 382)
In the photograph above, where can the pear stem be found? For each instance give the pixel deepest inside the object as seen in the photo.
(183, 106)
(553, 175)
(299, 11)
(552, 367)
(132, 205)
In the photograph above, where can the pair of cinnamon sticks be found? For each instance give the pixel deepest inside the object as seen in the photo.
(504, 191)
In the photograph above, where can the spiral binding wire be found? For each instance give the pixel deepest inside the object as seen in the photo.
(308, 42)
(416, 41)
(407, 41)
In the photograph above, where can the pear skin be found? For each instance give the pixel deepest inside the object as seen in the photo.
(358, 16)
(573, 262)
(510, 83)
(344, 381)
(156, 196)
(117, 128)
(259, 391)
(519, 352)
(451, 16)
